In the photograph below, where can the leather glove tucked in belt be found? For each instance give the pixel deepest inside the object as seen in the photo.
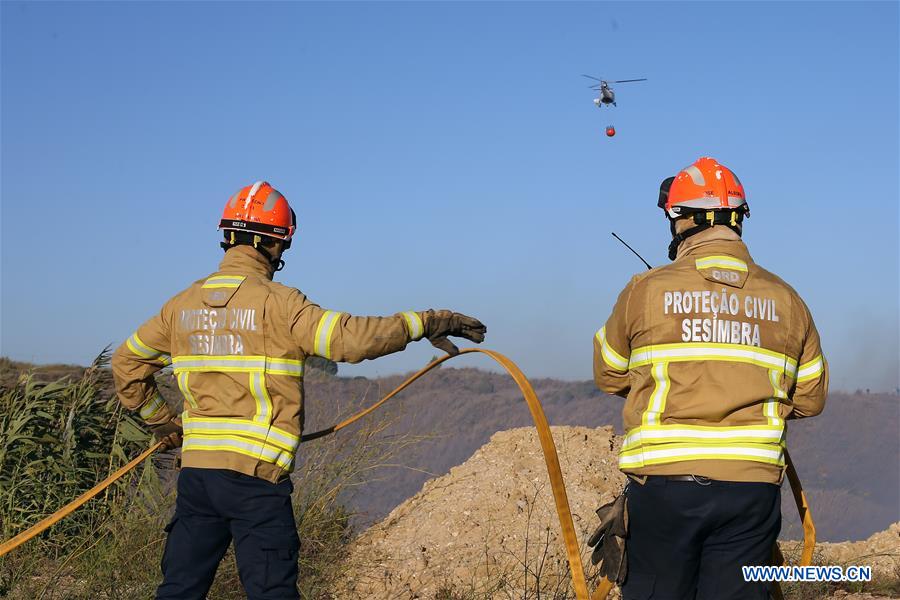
(608, 540)
(170, 434)
(442, 323)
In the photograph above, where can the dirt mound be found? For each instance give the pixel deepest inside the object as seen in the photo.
(488, 529)
(881, 551)
(490, 524)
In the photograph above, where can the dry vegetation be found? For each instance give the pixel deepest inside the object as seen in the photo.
(58, 438)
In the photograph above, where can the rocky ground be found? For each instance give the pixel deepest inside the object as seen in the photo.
(488, 529)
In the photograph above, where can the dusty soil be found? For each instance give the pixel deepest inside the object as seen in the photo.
(490, 521)
(488, 529)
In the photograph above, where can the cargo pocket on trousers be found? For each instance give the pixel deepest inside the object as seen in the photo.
(280, 551)
(638, 586)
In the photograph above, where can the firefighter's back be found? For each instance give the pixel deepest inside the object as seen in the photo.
(715, 352)
(239, 371)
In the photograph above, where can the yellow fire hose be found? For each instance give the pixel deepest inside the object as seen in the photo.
(550, 457)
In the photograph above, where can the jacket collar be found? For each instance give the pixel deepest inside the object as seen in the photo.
(245, 259)
(716, 240)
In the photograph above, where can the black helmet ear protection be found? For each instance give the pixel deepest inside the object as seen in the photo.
(287, 243)
(664, 192)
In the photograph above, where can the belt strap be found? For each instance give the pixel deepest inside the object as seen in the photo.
(698, 479)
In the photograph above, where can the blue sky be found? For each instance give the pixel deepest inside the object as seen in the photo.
(443, 155)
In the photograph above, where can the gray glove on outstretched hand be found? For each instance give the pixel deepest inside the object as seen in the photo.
(439, 324)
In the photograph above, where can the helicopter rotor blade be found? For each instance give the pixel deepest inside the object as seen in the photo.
(628, 80)
(591, 77)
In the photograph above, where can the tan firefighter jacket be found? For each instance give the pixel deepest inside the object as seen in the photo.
(712, 353)
(237, 341)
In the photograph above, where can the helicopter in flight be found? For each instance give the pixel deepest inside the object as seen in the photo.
(607, 95)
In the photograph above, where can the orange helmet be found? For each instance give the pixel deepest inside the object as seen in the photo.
(705, 185)
(259, 209)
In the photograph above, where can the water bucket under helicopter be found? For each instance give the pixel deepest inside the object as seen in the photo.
(610, 131)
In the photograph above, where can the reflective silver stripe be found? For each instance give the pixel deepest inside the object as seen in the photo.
(271, 199)
(702, 434)
(249, 448)
(771, 406)
(137, 346)
(261, 395)
(610, 356)
(184, 386)
(324, 331)
(811, 370)
(711, 351)
(284, 366)
(152, 407)
(239, 364)
(220, 281)
(723, 262)
(660, 392)
(226, 425)
(695, 174)
(219, 363)
(414, 324)
(770, 454)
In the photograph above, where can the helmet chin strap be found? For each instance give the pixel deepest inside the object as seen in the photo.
(704, 220)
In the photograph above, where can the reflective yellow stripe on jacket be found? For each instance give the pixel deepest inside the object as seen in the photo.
(226, 428)
(693, 351)
(224, 281)
(138, 347)
(721, 262)
(324, 333)
(414, 324)
(238, 364)
(650, 455)
(227, 443)
(610, 356)
(811, 370)
(255, 437)
(702, 434)
(152, 407)
(255, 366)
(653, 443)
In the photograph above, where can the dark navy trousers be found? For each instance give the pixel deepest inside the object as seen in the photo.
(688, 541)
(215, 507)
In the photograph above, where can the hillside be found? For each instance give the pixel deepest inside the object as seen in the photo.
(847, 457)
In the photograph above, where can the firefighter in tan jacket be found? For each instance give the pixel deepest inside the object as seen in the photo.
(236, 342)
(713, 354)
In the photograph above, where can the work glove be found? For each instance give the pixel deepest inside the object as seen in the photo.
(170, 434)
(608, 540)
(442, 323)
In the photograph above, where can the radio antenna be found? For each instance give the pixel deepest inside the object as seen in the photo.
(632, 249)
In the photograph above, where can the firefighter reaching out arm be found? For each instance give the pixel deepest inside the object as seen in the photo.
(342, 337)
(237, 342)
